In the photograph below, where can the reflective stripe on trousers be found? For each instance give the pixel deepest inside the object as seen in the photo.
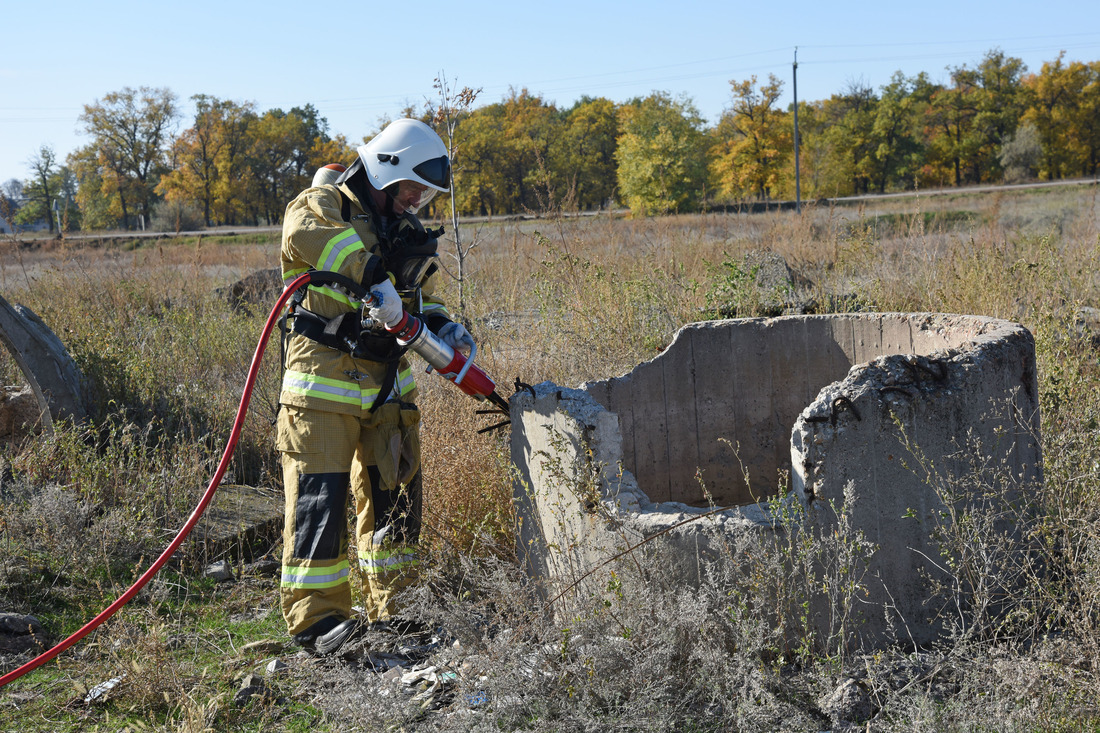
(376, 562)
(318, 576)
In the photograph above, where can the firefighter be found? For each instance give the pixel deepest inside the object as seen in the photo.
(348, 421)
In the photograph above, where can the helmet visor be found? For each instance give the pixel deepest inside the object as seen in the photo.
(436, 171)
(410, 196)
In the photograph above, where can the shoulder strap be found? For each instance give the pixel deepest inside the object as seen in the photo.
(345, 206)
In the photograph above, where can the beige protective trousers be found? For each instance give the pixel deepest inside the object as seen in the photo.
(377, 457)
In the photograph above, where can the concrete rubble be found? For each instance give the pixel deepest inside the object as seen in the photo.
(21, 634)
(240, 522)
(879, 425)
(259, 290)
(20, 411)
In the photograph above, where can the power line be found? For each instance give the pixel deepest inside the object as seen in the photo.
(923, 57)
(1059, 37)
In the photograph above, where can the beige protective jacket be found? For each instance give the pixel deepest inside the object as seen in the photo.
(316, 236)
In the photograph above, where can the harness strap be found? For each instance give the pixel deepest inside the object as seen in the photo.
(384, 389)
(345, 206)
(293, 304)
(335, 333)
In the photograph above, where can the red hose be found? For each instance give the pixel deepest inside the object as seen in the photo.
(195, 515)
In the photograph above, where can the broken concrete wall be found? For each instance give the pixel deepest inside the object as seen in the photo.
(578, 507)
(568, 448)
(911, 445)
(44, 361)
(724, 395)
(594, 483)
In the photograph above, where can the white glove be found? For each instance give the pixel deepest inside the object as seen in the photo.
(387, 306)
(457, 337)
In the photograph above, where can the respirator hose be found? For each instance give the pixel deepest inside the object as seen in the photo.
(207, 496)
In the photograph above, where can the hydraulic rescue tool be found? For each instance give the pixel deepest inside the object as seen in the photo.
(410, 332)
(447, 362)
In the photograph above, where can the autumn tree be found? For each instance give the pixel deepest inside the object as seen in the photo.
(313, 130)
(583, 153)
(953, 143)
(41, 189)
(236, 165)
(205, 157)
(1050, 90)
(525, 154)
(329, 150)
(812, 150)
(531, 124)
(1000, 104)
(479, 184)
(896, 152)
(105, 191)
(279, 158)
(754, 140)
(1065, 102)
(99, 209)
(1087, 140)
(234, 188)
(848, 121)
(506, 164)
(202, 155)
(131, 131)
(661, 154)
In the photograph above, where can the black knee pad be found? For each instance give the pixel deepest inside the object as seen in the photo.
(397, 513)
(320, 515)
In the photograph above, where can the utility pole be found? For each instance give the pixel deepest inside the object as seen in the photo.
(797, 182)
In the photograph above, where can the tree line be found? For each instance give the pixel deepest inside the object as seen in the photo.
(990, 123)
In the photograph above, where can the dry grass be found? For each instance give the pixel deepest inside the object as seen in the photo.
(568, 301)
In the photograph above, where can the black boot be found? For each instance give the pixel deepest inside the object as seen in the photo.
(328, 643)
(325, 625)
(327, 635)
(401, 626)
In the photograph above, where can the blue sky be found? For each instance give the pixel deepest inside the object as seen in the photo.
(358, 62)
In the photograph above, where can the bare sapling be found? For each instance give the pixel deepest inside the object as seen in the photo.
(451, 107)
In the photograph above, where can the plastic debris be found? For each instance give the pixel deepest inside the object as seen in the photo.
(102, 689)
(476, 699)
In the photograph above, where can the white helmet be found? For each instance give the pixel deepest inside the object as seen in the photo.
(407, 150)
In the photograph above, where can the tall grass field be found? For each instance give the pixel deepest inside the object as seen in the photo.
(84, 511)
